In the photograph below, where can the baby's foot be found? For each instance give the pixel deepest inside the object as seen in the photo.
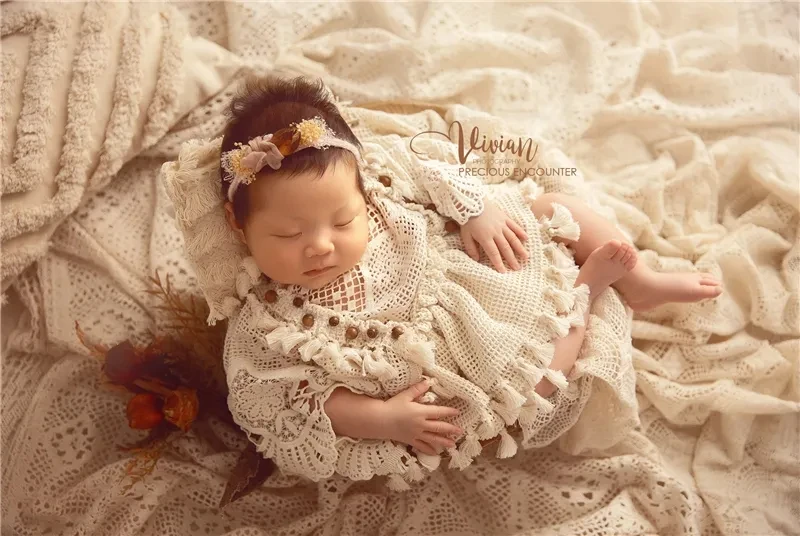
(654, 288)
(606, 265)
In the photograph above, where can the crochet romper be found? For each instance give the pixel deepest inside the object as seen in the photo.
(415, 306)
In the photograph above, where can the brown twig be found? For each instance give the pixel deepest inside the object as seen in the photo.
(98, 351)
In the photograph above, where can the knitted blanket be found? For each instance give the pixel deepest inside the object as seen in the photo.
(681, 122)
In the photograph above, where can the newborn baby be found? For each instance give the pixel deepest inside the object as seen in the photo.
(374, 276)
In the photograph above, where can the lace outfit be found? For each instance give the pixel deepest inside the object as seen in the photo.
(415, 306)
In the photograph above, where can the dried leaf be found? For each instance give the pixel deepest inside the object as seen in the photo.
(251, 470)
(286, 140)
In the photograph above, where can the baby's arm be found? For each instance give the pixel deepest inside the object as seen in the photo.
(400, 418)
(354, 415)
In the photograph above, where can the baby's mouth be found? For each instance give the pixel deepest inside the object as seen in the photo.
(320, 271)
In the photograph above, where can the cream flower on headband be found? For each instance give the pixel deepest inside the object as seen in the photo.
(262, 153)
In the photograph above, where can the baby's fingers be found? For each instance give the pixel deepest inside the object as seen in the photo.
(519, 231)
(442, 428)
(470, 246)
(439, 412)
(516, 244)
(508, 253)
(437, 440)
(493, 253)
(424, 447)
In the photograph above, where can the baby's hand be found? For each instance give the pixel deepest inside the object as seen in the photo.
(498, 235)
(418, 425)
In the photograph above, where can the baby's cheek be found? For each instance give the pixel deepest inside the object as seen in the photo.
(285, 259)
(272, 261)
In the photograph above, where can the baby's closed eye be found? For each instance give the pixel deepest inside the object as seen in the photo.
(346, 223)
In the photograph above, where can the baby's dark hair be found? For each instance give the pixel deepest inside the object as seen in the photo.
(267, 104)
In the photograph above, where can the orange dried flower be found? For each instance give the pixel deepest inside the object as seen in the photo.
(143, 411)
(181, 407)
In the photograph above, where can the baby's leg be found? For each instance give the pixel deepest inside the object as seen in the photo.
(603, 267)
(642, 288)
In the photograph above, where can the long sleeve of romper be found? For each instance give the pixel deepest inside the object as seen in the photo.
(432, 177)
(278, 399)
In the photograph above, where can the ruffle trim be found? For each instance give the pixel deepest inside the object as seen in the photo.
(357, 460)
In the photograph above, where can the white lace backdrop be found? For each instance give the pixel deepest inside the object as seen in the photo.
(683, 120)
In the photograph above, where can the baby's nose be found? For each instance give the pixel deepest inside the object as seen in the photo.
(320, 246)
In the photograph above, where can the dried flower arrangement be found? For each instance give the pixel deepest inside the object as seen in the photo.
(177, 382)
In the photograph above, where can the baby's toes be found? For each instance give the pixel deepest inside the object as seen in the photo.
(630, 260)
(616, 250)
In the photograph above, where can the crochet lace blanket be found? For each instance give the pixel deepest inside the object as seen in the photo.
(682, 121)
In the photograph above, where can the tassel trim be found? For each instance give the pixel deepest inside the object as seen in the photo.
(564, 300)
(529, 190)
(530, 374)
(397, 483)
(286, 337)
(527, 415)
(561, 224)
(557, 325)
(487, 427)
(511, 397)
(458, 460)
(414, 471)
(310, 349)
(581, 300)
(556, 377)
(507, 447)
(430, 462)
(419, 352)
(509, 415)
(471, 446)
(542, 402)
(380, 368)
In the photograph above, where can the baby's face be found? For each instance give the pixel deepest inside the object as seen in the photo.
(307, 230)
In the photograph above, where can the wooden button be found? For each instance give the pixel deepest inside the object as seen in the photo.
(372, 333)
(297, 302)
(451, 226)
(271, 296)
(351, 333)
(333, 321)
(308, 321)
(385, 180)
(396, 332)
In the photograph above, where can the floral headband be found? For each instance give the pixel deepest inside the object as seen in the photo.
(243, 163)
